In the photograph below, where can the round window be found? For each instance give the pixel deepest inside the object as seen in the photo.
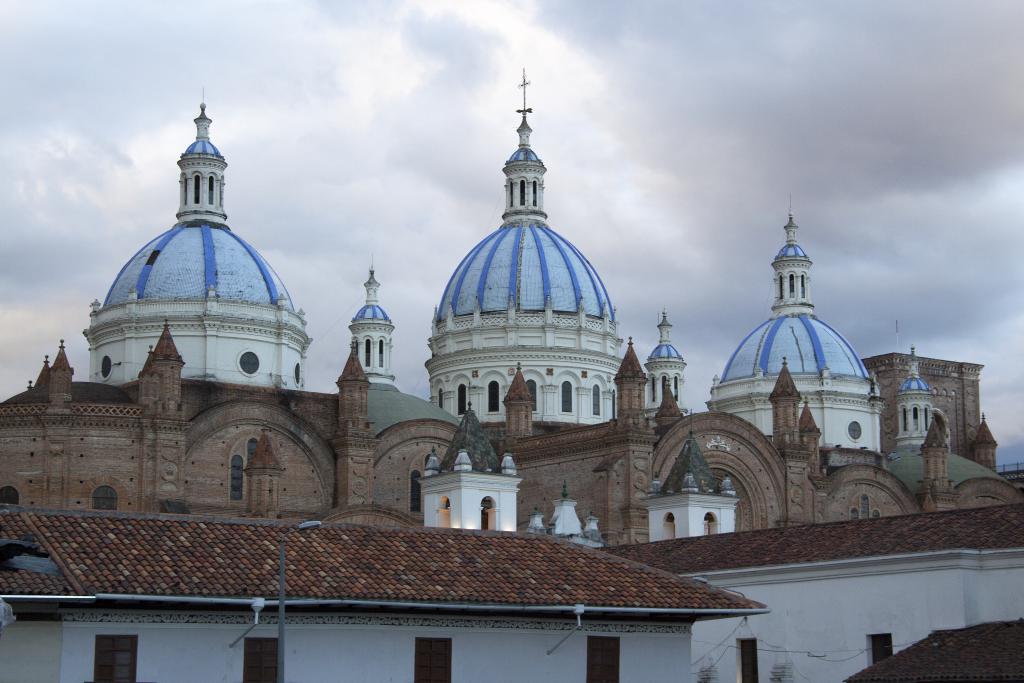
(106, 366)
(298, 374)
(854, 430)
(249, 362)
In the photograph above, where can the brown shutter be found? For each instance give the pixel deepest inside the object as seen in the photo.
(881, 646)
(748, 660)
(260, 661)
(433, 660)
(602, 659)
(115, 659)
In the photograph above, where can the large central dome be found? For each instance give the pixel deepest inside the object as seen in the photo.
(524, 265)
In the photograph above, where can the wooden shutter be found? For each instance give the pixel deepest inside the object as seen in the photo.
(115, 659)
(433, 660)
(602, 659)
(260, 662)
(748, 660)
(881, 646)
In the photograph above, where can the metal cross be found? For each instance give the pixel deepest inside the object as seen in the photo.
(525, 110)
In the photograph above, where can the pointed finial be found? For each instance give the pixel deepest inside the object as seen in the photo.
(525, 110)
(630, 341)
(46, 358)
(30, 386)
(982, 415)
(565, 489)
(913, 350)
(61, 343)
(784, 362)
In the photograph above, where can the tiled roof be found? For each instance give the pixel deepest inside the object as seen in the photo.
(986, 652)
(61, 361)
(784, 385)
(984, 435)
(807, 423)
(44, 373)
(192, 556)
(81, 392)
(518, 391)
(471, 437)
(26, 582)
(630, 367)
(353, 370)
(981, 528)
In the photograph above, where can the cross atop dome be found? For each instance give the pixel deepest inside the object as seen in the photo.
(524, 129)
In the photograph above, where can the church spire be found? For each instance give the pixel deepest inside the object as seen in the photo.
(792, 281)
(524, 175)
(201, 191)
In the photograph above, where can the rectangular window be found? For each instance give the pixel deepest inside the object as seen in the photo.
(602, 659)
(433, 660)
(881, 646)
(260, 661)
(748, 659)
(115, 659)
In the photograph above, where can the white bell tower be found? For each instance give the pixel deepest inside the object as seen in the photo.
(371, 328)
(465, 498)
(201, 196)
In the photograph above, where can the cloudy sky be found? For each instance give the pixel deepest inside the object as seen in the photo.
(674, 135)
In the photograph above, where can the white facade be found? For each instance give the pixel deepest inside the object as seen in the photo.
(681, 515)
(365, 647)
(462, 500)
(823, 612)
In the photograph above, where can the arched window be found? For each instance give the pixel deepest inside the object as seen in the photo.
(211, 191)
(926, 418)
(916, 421)
(511, 191)
(184, 190)
(462, 399)
(904, 419)
(803, 286)
(492, 397)
(235, 480)
(522, 193)
(668, 526)
(654, 390)
(414, 492)
(865, 506)
(792, 285)
(710, 524)
(367, 352)
(196, 191)
(675, 387)
(488, 514)
(250, 448)
(535, 193)
(444, 513)
(566, 397)
(595, 401)
(613, 404)
(780, 286)
(531, 386)
(440, 398)
(104, 498)
(380, 353)
(9, 495)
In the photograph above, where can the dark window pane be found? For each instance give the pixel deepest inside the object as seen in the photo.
(566, 397)
(415, 499)
(462, 399)
(236, 477)
(260, 661)
(493, 398)
(9, 495)
(433, 660)
(104, 498)
(249, 362)
(881, 646)
(532, 387)
(602, 659)
(114, 659)
(748, 660)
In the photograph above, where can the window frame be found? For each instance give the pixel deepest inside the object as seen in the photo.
(603, 659)
(566, 397)
(426, 667)
(746, 660)
(493, 396)
(879, 647)
(97, 675)
(5, 495)
(257, 647)
(93, 497)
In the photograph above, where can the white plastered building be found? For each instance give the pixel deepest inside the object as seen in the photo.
(231, 315)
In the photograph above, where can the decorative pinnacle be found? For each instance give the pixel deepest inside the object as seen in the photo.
(62, 343)
(565, 489)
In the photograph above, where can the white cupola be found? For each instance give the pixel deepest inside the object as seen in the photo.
(664, 365)
(202, 177)
(524, 175)
(791, 284)
(371, 329)
(914, 408)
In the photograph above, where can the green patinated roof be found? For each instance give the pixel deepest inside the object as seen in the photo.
(388, 406)
(471, 438)
(910, 468)
(690, 459)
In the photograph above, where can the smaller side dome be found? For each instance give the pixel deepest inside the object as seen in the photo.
(664, 351)
(914, 384)
(791, 250)
(371, 312)
(203, 147)
(524, 154)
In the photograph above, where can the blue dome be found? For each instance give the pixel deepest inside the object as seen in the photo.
(526, 264)
(914, 384)
(186, 260)
(203, 147)
(665, 351)
(807, 343)
(791, 250)
(371, 312)
(524, 154)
